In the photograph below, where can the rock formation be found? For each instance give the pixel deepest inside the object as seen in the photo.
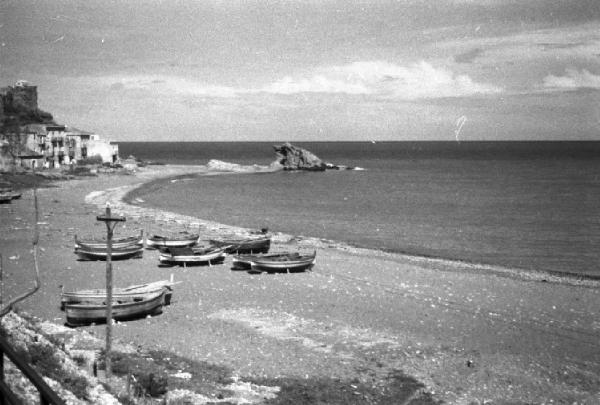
(294, 158)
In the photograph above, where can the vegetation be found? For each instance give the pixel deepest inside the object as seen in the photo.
(42, 354)
(27, 115)
(22, 181)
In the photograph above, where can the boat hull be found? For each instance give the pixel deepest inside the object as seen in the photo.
(118, 243)
(245, 246)
(98, 296)
(85, 314)
(289, 262)
(116, 254)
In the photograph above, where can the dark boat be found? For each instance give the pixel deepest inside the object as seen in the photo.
(5, 199)
(130, 252)
(186, 240)
(191, 255)
(275, 262)
(127, 241)
(7, 195)
(245, 245)
(85, 314)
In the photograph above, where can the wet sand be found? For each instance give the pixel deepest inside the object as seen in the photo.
(468, 333)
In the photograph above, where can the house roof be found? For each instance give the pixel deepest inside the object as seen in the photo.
(76, 131)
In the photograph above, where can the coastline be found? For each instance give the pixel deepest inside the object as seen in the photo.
(465, 334)
(123, 199)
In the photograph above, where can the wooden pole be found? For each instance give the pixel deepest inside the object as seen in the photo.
(109, 233)
(1, 281)
(110, 222)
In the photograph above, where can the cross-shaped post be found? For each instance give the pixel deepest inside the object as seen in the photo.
(110, 222)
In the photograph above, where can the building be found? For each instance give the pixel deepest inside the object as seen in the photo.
(61, 145)
(41, 142)
(85, 144)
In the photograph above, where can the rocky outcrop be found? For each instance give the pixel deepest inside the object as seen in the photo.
(294, 158)
(291, 157)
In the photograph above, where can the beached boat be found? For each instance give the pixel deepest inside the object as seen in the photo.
(7, 195)
(129, 252)
(127, 241)
(185, 240)
(191, 255)
(5, 199)
(245, 245)
(120, 295)
(286, 261)
(85, 314)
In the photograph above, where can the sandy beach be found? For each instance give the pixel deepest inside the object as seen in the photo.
(468, 333)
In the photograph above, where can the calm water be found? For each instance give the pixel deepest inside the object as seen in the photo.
(525, 205)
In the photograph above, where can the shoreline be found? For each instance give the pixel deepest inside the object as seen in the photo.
(360, 315)
(128, 204)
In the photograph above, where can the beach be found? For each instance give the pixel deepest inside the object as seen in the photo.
(459, 332)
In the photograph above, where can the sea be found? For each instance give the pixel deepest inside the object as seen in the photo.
(521, 205)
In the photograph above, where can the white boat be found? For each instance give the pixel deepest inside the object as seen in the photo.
(98, 295)
(85, 314)
(275, 262)
(185, 240)
(184, 256)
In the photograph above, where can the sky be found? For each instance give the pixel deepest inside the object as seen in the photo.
(310, 70)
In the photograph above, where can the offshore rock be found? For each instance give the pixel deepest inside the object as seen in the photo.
(290, 157)
(295, 158)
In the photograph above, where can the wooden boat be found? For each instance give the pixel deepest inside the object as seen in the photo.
(129, 252)
(85, 314)
(120, 295)
(245, 245)
(190, 255)
(286, 261)
(5, 199)
(116, 243)
(7, 195)
(185, 240)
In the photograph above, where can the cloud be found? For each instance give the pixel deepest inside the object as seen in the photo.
(573, 79)
(419, 80)
(315, 84)
(369, 78)
(170, 85)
